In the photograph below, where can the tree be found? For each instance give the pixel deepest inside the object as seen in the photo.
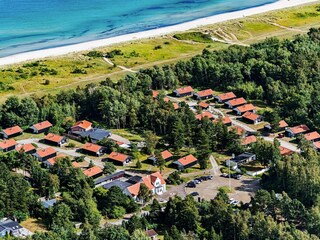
(109, 168)
(139, 235)
(138, 164)
(160, 161)
(113, 233)
(151, 141)
(144, 194)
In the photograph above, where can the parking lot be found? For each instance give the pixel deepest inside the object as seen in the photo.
(243, 189)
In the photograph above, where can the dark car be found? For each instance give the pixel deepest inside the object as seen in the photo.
(281, 135)
(198, 179)
(236, 176)
(191, 184)
(194, 194)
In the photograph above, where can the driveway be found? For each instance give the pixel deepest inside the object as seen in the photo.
(284, 144)
(70, 152)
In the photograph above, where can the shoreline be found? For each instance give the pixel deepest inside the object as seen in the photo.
(85, 46)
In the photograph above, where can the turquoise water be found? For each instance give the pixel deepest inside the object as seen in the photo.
(27, 25)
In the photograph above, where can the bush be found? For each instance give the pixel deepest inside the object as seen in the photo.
(194, 36)
(157, 47)
(174, 178)
(113, 53)
(71, 145)
(117, 212)
(95, 54)
(79, 71)
(46, 82)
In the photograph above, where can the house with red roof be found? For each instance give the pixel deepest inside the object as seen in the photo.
(152, 234)
(93, 172)
(41, 127)
(235, 102)
(285, 151)
(244, 108)
(54, 139)
(81, 126)
(312, 136)
(45, 154)
(184, 91)
(239, 130)
(8, 145)
(282, 126)
(175, 106)
(92, 149)
(224, 97)
(204, 94)
(52, 161)
(166, 155)
(317, 145)
(26, 148)
(294, 131)
(203, 106)
(155, 94)
(224, 120)
(186, 162)
(119, 158)
(248, 140)
(251, 117)
(205, 114)
(11, 132)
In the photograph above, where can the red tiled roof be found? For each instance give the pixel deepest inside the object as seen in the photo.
(184, 90)
(187, 160)
(25, 147)
(224, 120)
(91, 147)
(83, 124)
(203, 105)
(53, 160)
(134, 189)
(203, 115)
(12, 130)
(46, 152)
(317, 144)
(239, 130)
(118, 156)
(299, 129)
(166, 154)
(8, 143)
(42, 125)
(205, 93)
(312, 136)
(76, 164)
(151, 233)
(155, 93)
(237, 102)
(285, 151)
(251, 116)
(53, 137)
(248, 140)
(156, 175)
(175, 106)
(227, 96)
(283, 124)
(166, 99)
(246, 108)
(92, 171)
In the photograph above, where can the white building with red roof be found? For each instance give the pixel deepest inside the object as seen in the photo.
(184, 91)
(11, 132)
(41, 127)
(81, 126)
(204, 94)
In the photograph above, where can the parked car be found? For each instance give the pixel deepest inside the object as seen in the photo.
(234, 202)
(196, 181)
(191, 184)
(280, 135)
(209, 177)
(224, 175)
(206, 178)
(194, 194)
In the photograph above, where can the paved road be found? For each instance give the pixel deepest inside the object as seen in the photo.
(215, 167)
(283, 144)
(70, 152)
(242, 125)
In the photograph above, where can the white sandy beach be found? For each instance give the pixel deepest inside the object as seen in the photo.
(150, 33)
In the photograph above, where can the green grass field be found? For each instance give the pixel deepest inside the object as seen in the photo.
(53, 74)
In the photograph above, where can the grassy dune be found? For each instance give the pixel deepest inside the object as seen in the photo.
(53, 74)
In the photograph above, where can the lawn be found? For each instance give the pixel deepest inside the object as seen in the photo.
(34, 225)
(128, 134)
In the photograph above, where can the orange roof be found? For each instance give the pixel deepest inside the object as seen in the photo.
(91, 147)
(156, 175)
(166, 154)
(7, 143)
(203, 115)
(53, 160)
(224, 120)
(92, 171)
(25, 147)
(76, 165)
(184, 90)
(248, 140)
(312, 136)
(166, 99)
(134, 189)
(187, 160)
(285, 151)
(239, 130)
(226, 96)
(205, 93)
(237, 102)
(203, 105)
(155, 93)
(283, 124)
(251, 116)
(118, 156)
(175, 106)
(299, 129)
(246, 108)
(83, 124)
(53, 138)
(317, 144)
(42, 125)
(46, 152)
(12, 130)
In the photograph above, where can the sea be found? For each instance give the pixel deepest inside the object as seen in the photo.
(28, 25)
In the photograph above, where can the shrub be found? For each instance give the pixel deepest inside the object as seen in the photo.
(157, 47)
(95, 54)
